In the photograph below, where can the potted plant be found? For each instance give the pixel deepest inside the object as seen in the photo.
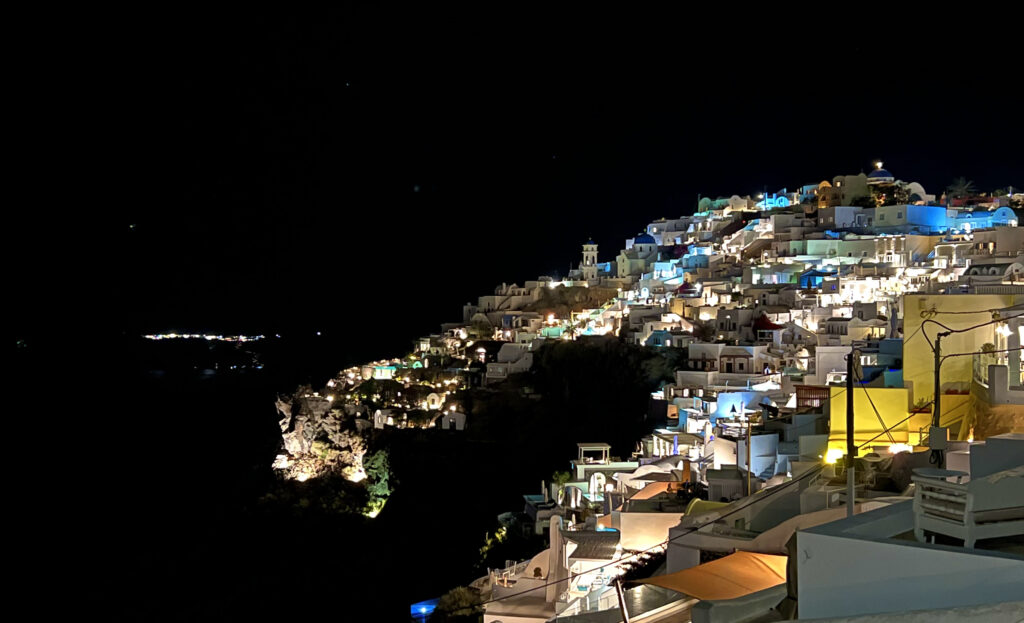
(923, 405)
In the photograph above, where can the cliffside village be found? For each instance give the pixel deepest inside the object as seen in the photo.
(741, 496)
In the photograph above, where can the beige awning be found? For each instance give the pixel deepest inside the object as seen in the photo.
(651, 490)
(734, 576)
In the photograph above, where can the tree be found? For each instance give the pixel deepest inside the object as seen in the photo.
(560, 478)
(960, 188)
(704, 331)
(378, 479)
(863, 201)
(459, 604)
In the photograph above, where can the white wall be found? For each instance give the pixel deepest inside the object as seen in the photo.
(643, 530)
(838, 576)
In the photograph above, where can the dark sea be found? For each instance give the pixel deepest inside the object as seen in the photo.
(172, 447)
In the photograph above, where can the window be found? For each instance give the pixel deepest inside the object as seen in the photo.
(881, 217)
(899, 215)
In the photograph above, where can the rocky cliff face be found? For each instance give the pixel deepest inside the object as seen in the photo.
(317, 439)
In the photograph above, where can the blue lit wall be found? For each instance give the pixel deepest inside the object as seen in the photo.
(933, 217)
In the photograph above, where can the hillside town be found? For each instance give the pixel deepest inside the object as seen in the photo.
(843, 429)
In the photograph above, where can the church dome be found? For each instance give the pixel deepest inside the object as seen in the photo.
(880, 176)
(644, 239)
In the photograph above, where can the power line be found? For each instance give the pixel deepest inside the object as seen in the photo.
(913, 334)
(951, 330)
(982, 352)
(932, 312)
(768, 493)
(890, 428)
(977, 352)
(961, 405)
(868, 394)
(775, 490)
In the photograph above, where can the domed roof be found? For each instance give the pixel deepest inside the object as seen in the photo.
(880, 174)
(644, 239)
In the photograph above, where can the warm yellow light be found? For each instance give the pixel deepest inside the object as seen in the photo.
(1003, 330)
(970, 437)
(833, 455)
(878, 164)
(551, 318)
(896, 448)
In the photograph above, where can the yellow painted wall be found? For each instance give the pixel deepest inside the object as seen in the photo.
(892, 404)
(918, 360)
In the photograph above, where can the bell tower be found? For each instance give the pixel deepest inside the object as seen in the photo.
(589, 265)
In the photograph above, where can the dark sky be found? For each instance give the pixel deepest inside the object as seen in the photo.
(296, 173)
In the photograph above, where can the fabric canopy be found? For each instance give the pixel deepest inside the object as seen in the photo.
(651, 490)
(734, 576)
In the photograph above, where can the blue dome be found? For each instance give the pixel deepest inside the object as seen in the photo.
(644, 239)
(879, 173)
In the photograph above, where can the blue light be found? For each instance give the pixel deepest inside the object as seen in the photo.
(421, 610)
(773, 201)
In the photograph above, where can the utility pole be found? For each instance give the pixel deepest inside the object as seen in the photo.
(748, 457)
(851, 447)
(937, 434)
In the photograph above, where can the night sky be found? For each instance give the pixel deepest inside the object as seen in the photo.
(366, 172)
(298, 173)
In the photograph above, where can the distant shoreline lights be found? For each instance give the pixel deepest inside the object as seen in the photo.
(204, 336)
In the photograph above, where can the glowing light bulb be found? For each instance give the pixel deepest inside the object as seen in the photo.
(896, 448)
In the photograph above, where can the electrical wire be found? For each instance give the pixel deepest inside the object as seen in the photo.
(982, 352)
(877, 414)
(977, 326)
(891, 427)
(936, 454)
(979, 311)
(919, 327)
(959, 406)
(768, 493)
